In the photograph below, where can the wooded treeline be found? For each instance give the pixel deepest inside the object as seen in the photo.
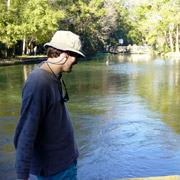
(100, 23)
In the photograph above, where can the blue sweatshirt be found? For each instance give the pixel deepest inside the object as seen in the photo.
(44, 137)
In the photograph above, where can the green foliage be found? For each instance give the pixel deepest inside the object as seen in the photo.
(98, 22)
(82, 17)
(155, 18)
(10, 29)
(40, 21)
(34, 20)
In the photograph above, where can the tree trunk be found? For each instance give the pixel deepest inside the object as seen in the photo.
(171, 41)
(6, 51)
(177, 40)
(24, 46)
(8, 3)
(14, 50)
(166, 40)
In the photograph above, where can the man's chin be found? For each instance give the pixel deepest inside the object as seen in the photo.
(70, 70)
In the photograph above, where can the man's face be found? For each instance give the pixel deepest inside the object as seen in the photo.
(71, 60)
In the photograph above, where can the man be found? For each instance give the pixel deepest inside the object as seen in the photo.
(44, 138)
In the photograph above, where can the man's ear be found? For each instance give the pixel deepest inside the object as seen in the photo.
(65, 55)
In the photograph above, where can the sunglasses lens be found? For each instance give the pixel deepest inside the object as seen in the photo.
(66, 98)
(73, 54)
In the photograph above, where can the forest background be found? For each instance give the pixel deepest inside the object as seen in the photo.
(100, 24)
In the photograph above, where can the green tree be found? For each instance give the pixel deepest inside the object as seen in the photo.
(158, 21)
(127, 29)
(40, 20)
(82, 17)
(10, 22)
(30, 21)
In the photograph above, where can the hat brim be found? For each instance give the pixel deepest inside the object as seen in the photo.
(64, 48)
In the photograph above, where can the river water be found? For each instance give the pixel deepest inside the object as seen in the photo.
(125, 114)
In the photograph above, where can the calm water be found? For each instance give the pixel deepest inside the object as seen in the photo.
(126, 116)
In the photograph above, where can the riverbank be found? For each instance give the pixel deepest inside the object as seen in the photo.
(27, 59)
(22, 60)
(172, 55)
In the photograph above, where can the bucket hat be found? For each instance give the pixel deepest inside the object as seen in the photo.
(66, 41)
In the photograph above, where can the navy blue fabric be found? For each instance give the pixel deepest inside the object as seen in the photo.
(44, 137)
(68, 174)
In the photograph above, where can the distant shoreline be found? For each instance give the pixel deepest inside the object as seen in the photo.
(29, 59)
(172, 55)
(22, 60)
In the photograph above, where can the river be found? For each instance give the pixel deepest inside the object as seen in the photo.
(126, 115)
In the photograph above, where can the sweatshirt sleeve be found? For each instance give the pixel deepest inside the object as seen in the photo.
(32, 111)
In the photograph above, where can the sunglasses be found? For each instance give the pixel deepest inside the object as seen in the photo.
(73, 54)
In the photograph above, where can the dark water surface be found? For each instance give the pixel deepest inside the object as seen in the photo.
(126, 116)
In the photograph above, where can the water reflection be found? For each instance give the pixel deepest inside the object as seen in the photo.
(134, 57)
(27, 69)
(161, 90)
(125, 116)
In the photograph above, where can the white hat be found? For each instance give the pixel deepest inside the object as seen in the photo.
(66, 41)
